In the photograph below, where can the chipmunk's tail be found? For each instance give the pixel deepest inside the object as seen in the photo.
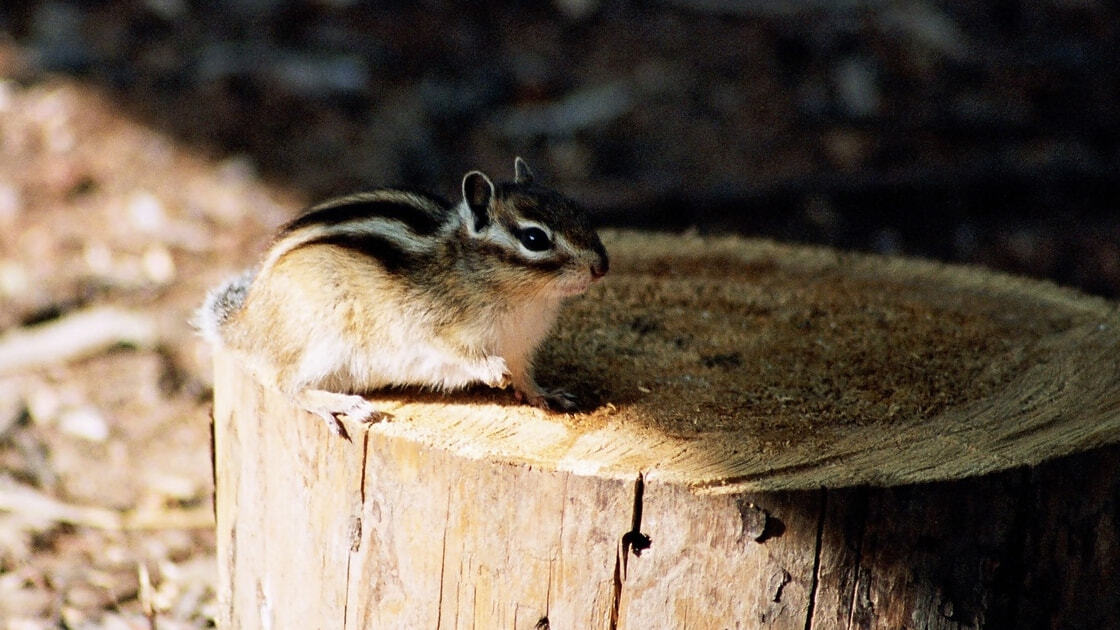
(221, 302)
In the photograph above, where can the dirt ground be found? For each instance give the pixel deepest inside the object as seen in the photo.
(110, 200)
(105, 494)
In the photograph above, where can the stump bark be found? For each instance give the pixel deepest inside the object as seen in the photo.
(773, 437)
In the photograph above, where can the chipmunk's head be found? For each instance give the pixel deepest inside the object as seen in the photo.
(545, 240)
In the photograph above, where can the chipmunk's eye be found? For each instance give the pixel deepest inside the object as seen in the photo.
(534, 239)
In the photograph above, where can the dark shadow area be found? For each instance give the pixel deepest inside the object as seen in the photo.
(1015, 549)
(984, 133)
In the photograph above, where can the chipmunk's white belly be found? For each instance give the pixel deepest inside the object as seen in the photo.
(422, 365)
(339, 366)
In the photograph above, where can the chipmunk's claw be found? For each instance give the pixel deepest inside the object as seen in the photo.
(551, 400)
(330, 405)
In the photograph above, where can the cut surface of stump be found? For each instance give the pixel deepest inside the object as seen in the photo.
(771, 437)
(734, 364)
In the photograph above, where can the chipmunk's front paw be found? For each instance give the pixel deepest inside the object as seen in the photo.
(496, 373)
(550, 400)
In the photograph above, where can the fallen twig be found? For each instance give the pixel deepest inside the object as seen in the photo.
(25, 501)
(73, 336)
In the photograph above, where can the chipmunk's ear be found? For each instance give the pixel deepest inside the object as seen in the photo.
(522, 174)
(478, 190)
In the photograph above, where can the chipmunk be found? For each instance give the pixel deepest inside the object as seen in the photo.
(393, 287)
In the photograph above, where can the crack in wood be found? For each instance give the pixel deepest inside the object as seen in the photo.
(365, 458)
(858, 565)
(355, 532)
(443, 560)
(548, 591)
(346, 596)
(633, 541)
(616, 592)
(815, 583)
(213, 465)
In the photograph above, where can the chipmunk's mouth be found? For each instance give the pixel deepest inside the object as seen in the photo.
(574, 285)
(571, 289)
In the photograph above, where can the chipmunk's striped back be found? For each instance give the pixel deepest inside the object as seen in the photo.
(395, 227)
(421, 213)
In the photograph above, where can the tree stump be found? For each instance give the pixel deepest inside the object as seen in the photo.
(774, 437)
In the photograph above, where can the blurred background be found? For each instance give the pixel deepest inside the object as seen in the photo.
(979, 132)
(148, 148)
